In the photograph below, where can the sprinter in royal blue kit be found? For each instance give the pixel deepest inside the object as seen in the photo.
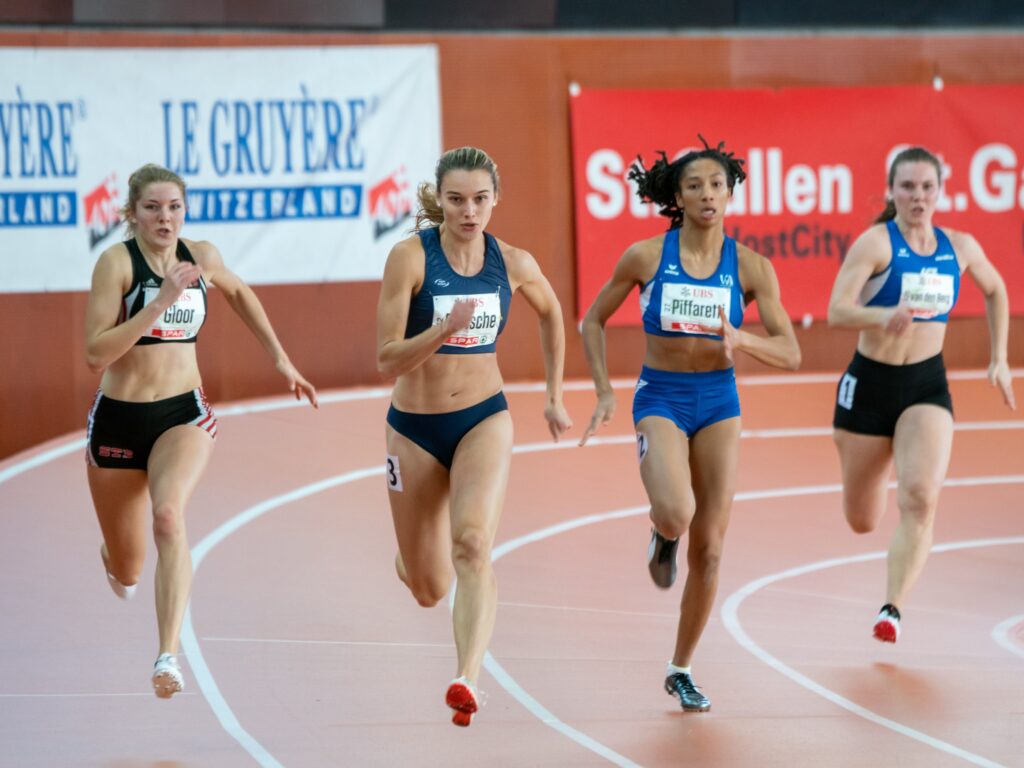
(150, 428)
(444, 300)
(897, 285)
(694, 283)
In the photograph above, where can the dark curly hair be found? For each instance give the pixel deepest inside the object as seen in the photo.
(659, 183)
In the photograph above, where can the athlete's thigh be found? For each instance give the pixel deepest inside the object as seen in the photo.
(121, 501)
(865, 462)
(418, 495)
(922, 446)
(479, 475)
(714, 456)
(664, 453)
(176, 464)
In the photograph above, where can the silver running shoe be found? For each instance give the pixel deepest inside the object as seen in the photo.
(661, 559)
(167, 677)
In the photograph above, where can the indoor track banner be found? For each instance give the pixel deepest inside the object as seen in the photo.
(816, 161)
(301, 163)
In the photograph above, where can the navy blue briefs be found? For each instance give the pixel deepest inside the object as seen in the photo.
(439, 434)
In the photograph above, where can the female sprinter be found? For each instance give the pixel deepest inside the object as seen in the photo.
(150, 428)
(444, 300)
(694, 284)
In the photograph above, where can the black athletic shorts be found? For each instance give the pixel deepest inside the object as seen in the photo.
(872, 395)
(121, 434)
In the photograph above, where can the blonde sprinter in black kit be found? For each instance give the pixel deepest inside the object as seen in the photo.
(150, 428)
(444, 300)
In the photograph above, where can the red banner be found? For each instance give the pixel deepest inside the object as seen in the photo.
(817, 161)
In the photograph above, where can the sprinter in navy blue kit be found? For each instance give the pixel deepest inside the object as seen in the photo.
(444, 301)
(694, 284)
(150, 428)
(897, 285)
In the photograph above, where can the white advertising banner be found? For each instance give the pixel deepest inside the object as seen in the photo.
(301, 163)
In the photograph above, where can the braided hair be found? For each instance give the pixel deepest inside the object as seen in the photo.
(659, 183)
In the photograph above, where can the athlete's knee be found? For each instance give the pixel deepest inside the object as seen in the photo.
(168, 523)
(427, 591)
(704, 558)
(918, 499)
(672, 518)
(860, 522)
(471, 549)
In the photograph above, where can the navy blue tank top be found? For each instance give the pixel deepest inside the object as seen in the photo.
(675, 304)
(182, 320)
(928, 285)
(443, 286)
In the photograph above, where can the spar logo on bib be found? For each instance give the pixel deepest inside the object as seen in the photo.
(183, 319)
(692, 308)
(927, 293)
(483, 326)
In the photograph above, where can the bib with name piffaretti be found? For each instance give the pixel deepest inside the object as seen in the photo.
(674, 303)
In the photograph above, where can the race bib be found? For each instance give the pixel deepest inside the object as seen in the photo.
(483, 326)
(180, 321)
(685, 308)
(927, 294)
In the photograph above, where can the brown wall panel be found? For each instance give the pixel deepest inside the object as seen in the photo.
(180, 12)
(507, 94)
(36, 12)
(305, 13)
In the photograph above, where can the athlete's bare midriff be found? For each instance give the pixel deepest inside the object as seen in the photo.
(685, 354)
(447, 383)
(151, 372)
(923, 341)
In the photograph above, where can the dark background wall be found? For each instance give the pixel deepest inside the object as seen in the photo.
(45, 387)
(408, 15)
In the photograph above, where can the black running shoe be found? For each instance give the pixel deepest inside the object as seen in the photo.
(681, 686)
(661, 559)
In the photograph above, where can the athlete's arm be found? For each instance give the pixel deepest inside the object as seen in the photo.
(631, 270)
(867, 256)
(247, 306)
(105, 339)
(997, 309)
(403, 276)
(779, 348)
(525, 273)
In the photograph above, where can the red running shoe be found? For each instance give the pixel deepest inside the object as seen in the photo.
(462, 697)
(887, 625)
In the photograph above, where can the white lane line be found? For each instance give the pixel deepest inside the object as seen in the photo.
(204, 678)
(147, 694)
(730, 618)
(43, 458)
(300, 641)
(579, 609)
(1001, 634)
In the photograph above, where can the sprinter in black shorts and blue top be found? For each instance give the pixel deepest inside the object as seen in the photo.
(694, 285)
(444, 300)
(150, 428)
(897, 285)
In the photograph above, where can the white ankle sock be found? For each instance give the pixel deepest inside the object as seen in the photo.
(674, 670)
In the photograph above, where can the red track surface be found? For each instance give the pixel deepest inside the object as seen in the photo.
(307, 651)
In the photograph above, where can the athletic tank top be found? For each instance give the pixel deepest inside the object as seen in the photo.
(927, 285)
(673, 303)
(182, 320)
(443, 286)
